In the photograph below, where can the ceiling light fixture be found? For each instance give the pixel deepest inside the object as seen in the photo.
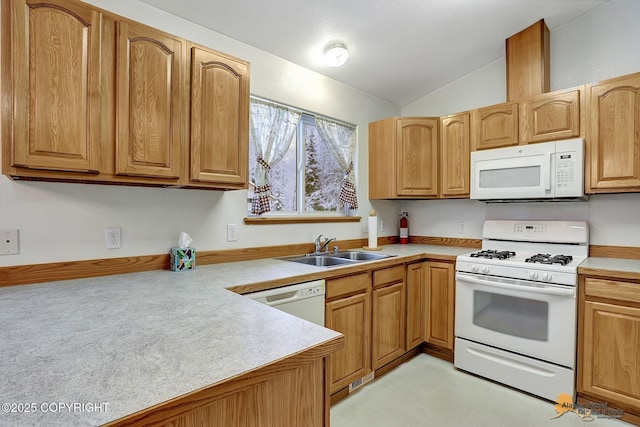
(335, 54)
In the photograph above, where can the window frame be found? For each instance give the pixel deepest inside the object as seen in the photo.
(301, 215)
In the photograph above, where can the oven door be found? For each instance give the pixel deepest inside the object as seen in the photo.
(523, 172)
(529, 318)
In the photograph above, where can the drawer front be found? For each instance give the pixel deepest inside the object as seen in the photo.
(348, 285)
(613, 289)
(388, 275)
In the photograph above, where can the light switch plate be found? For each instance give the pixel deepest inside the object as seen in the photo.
(9, 242)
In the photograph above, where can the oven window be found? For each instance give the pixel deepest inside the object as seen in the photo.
(518, 317)
(516, 177)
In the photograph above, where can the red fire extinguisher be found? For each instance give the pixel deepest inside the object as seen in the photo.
(404, 228)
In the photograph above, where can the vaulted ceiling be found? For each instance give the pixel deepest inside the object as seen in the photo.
(400, 50)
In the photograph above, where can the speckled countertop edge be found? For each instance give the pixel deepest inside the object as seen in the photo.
(615, 267)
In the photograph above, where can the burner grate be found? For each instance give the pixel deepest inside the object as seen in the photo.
(550, 259)
(493, 254)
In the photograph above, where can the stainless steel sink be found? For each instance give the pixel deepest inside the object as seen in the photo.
(320, 260)
(337, 259)
(360, 255)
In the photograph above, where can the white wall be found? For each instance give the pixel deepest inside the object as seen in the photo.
(598, 45)
(60, 222)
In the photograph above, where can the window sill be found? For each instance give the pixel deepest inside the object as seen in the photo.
(298, 219)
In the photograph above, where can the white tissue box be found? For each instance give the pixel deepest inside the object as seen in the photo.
(183, 259)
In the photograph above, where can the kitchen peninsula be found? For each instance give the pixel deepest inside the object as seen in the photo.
(173, 345)
(160, 344)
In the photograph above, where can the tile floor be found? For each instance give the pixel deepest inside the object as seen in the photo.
(427, 391)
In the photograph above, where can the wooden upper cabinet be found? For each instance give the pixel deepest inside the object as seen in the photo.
(403, 158)
(151, 96)
(613, 127)
(219, 118)
(52, 72)
(495, 126)
(528, 62)
(417, 157)
(454, 155)
(552, 116)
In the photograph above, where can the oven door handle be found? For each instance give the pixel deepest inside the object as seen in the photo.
(568, 292)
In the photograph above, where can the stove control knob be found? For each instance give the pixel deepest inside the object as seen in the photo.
(485, 269)
(546, 277)
(533, 275)
(474, 268)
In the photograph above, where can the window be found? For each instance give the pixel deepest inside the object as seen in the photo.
(305, 173)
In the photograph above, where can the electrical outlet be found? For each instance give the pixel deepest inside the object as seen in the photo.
(365, 227)
(9, 242)
(113, 237)
(462, 228)
(381, 225)
(232, 233)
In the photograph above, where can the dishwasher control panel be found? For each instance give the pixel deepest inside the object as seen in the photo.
(311, 292)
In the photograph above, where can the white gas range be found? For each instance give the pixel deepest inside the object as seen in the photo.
(516, 305)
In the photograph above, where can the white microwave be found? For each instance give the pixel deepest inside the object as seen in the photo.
(548, 170)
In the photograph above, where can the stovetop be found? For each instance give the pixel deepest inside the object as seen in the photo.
(538, 258)
(521, 259)
(542, 251)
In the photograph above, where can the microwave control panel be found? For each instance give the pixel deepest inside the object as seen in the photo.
(566, 171)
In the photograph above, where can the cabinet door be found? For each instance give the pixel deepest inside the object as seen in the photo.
(417, 157)
(454, 155)
(614, 134)
(350, 316)
(608, 342)
(54, 76)
(495, 126)
(151, 98)
(219, 118)
(550, 117)
(439, 295)
(388, 334)
(415, 285)
(610, 357)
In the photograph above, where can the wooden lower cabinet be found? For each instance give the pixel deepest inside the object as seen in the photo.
(439, 300)
(348, 310)
(609, 343)
(289, 393)
(388, 316)
(385, 314)
(415, 287)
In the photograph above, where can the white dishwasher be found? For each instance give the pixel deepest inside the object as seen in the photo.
(304, 300)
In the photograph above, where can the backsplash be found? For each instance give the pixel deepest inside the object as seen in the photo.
(614, 219)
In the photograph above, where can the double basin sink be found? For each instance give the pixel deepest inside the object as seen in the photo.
(337, 258)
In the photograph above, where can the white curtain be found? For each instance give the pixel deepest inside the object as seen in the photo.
(341, 141)
(272, 126)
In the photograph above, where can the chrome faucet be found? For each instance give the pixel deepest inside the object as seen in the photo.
(323, 246)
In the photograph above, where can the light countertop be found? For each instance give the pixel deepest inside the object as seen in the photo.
(611, 267)
(123, 343)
